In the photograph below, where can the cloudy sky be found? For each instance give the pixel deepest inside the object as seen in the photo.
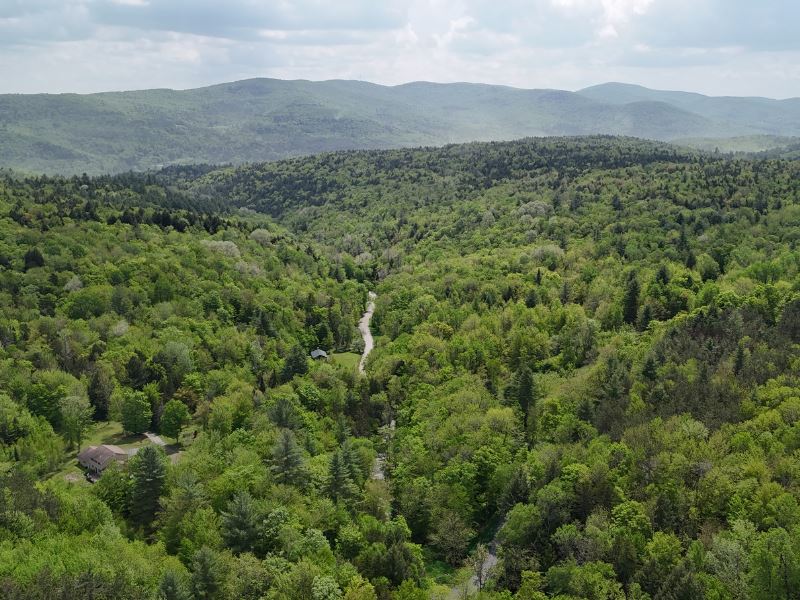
(737, 47)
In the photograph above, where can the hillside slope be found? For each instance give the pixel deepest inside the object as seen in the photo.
(754, 114)
(590, 346)
(267, 119)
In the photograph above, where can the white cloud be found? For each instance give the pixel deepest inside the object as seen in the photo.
(607, 15)
(714, 46)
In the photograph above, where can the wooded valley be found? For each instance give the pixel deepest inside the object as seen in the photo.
(586, 365)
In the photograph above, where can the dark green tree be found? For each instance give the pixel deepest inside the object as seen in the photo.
(662, 275)
(148, 471)
(531, 298)
(207, 574)
(284, 413)
(139, 370)
(630, 300)
(296, 363)
(33, 258)
(739, 360)
(340, 485)
(611, 384)
(173, 587)
(288, 461)
(239, 523)
(649, 369)
(100, 388)
(645, 316)
(526, 392)
(175, 359)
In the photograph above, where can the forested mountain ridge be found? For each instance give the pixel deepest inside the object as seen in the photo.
(772, 116)
(268, 119)
(590, 342)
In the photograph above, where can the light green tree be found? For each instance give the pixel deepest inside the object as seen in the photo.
(136, 412)
(174, 418)
(76, 416)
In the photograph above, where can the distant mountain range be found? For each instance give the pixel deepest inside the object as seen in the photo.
(266, 119)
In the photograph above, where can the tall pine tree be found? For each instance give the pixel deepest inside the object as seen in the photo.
(206, 574)
(630, 301)
(340, 486)
(526, 392)
(288, 461)
(173, 587)
(239, 523)
(148, 471)
(100, 388)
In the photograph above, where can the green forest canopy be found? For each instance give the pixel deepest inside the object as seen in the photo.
(590, 344)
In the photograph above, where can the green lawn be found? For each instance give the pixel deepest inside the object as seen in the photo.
(100, 433)
(348, 360)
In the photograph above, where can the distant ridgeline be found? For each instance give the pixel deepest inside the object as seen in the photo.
(269, 119)
(588, 349)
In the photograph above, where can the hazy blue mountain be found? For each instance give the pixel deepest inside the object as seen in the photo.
(750, 115)
(267, 119)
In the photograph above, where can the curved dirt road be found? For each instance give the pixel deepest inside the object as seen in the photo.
(363, 327)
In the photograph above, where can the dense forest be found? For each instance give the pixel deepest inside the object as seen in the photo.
(586, 380)
(270, 119)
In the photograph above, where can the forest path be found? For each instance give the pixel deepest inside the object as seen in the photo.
(379, 467)
(469, 587)
(363, 327)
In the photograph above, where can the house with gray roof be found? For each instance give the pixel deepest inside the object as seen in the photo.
(96, 458)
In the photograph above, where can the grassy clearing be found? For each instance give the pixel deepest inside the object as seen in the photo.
(101, 433)
(349, 360)
(111, 433)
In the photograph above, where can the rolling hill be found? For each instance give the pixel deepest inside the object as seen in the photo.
(268, 119)
(757, 115)
(587, 351)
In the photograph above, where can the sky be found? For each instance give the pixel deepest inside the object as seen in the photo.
(717, 47)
